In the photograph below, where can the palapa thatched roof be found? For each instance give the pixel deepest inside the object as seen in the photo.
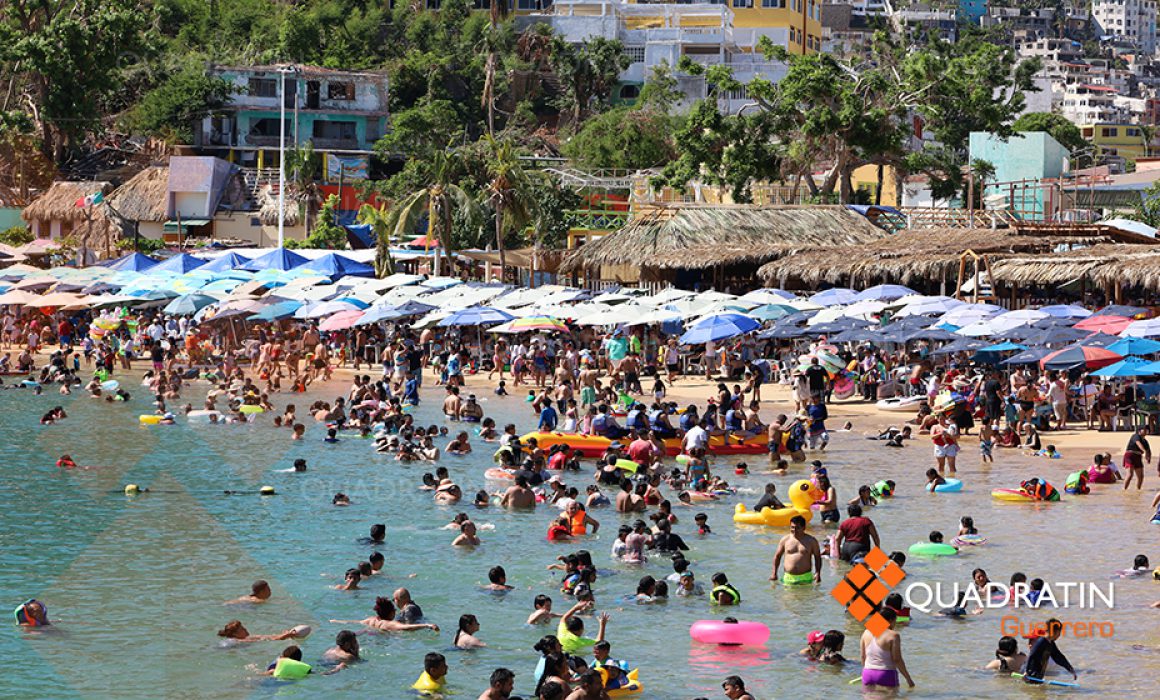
(144, 197)
(58, 203)
(910, 256)
(1132, 265)
(268, 212)
(99, 235)
(701, 236)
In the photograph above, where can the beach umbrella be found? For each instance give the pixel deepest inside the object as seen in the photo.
(615, 315)
(276, 259)
(335, 266)
(669, 295)
(837, 296)
(828, 361)
(177, 265)
(883, 292)
(1066, 311)
(476, 316)
(1002, 347)
(1148, 328)
(277, 311)
(765, 295)
(133, 262)
(930, 307)
(1130, 366)
(188, 304)
(864, 308)
(1123, 310)
(656, 316)
(960, 345)
(341, 320)
(1106, 324)
(1098, 340)
(537, 323)
(858, 335)
(719, 327)
(772, 312)
(17, 297)
(1053, 336)
(969, 313)
(990, 326)
(907, 335)
(1027, 357)
(1135, 346)
(1079, 356)
(225, 262)
(407, 309)
(335, 306)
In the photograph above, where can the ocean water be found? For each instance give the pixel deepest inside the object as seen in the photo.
(135, 586)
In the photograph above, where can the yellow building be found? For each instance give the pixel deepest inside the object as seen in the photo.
(1123, 140)
(866, 178)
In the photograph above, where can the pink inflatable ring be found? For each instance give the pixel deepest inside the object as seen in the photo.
(734, 633)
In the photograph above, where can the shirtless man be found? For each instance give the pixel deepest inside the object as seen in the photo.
(587, 381)
(627, 501)
(798, 550)
(500, 685)
(467, 537)
(259, 593)
(452, 404)
(518, 495)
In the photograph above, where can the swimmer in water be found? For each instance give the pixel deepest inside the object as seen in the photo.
(344, 651)
(66, 462)
(543, 613)
(32, 614)
(341, 499)
(259, 593)
(384, 619)
(497, 578)
(236, 633)
(465, 636)
(350, 583)
(467, 536)
(1008, 658)
(299, 465)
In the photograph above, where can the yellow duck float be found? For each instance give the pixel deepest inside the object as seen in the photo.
(802, 494)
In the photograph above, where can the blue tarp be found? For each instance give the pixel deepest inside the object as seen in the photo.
(133, 262)
(177, 265)
(277, 259)
(360, 236)
(229, 261)
(335, 266)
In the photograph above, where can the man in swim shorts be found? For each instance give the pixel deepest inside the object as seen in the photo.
(798, 549)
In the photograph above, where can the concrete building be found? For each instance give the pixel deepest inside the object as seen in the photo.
(1030, 155)
(1118, 141)
(339, 112)
(1088, 104)
(1052, 49)
(1130, 21)
(654, 34)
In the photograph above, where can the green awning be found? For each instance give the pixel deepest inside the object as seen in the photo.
(186, 224)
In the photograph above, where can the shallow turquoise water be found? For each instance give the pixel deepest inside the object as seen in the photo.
(135, 585)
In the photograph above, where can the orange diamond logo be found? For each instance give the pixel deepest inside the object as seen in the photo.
(866, 586)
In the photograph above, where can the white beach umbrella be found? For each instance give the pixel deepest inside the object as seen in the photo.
(766, 295)
(862, 309)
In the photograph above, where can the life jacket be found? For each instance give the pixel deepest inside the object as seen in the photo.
(654, 419)
(600, 424)
(1040, 490)
(881, 489)
(635, 420)
(727, 588)
(733, 420)
(288, 669)
(427, 684)
(1077, 483)
(576, 522)
(557, 532)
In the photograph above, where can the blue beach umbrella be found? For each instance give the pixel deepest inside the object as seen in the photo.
(177, 265)
(189, 304)
(1066, 311)
(277, 311)
(960, 345)
(884, 292)
(719, 327)
(1121, 310)
(1130, 366)
(476, 316)
(772, 312)
(393, 313)
(1135, 346)
(277, 259)
(1002, 347)
(226, 262)
(1027, 357)
(838, 296)
(336, 266)
(133, 262)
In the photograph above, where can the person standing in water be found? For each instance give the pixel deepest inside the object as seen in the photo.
(882, 656)
(799, 550)
(1044, 648)
(1136, 454)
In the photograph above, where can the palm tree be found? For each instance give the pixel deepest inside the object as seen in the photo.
(440, 199)
(380, 220)
(303, 169)
(510, 192)
(499, 12)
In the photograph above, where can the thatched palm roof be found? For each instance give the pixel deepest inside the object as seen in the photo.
(268, 212)
(701, 236)
(58, 203)
(99, 235)
(144, 196)
(910, 256)
(1135, 265)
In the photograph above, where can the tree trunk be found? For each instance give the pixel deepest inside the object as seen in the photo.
(878, 191)
(499, 243)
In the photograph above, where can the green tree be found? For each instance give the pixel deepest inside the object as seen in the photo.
(511, 192)
(661, 90)
(439, 201)
(327, 233)
(1148, 210)
(63, 58)
(16, 236)
(623, 138)
(379, 218)
(170, 110)
(1061, 129)
(588, 72)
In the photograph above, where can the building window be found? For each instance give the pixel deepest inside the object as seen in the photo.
(635, 54)
(1131, 132)
(742, 4)
(1109, 132)
(267, 127)
(255, 221)
(337, 130)
(339, 91)
(263, 87)
(527, 5)
(773, 4)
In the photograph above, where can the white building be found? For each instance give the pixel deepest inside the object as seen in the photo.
(1131, 21)
(654, 34)
(1090, 104)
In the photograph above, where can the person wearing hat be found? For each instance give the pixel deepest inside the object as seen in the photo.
(471, 411)
(813, 645)
(687, 584)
